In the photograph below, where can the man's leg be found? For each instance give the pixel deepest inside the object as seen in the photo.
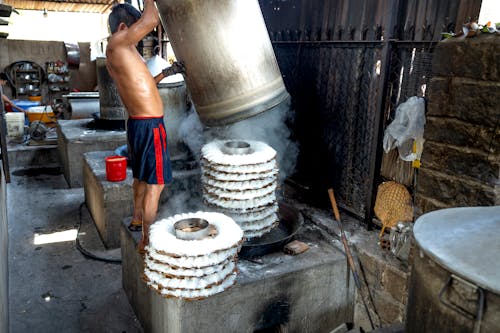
(149, 211)
(139, 188)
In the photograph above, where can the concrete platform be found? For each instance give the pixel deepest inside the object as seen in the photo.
(32, 156)
(311, 292)
(74, 139)
(110, 202)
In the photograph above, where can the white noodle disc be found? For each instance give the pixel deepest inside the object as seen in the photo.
(194, 262)
(186, 272)
(225, 176)
(240, 195)
(260, 224)
(243, 168)
(238, 185)
(196, 294)
(261, 153)
(265, 210)
(253, 216)
(191, 282)
(239, 204)
(162, 235)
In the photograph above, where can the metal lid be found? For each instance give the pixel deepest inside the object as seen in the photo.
(465, 241)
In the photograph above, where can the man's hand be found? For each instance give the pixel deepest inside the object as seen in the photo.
(176, 68)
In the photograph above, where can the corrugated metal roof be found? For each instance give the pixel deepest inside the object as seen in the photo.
(82, 6)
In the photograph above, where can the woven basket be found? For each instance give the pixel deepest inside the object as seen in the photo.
(393, 204)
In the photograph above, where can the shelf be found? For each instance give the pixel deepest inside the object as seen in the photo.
(57, 71)
(27, 70)
(26, 78)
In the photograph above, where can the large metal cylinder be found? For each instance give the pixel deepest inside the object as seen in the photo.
(455, 277)
(231, 69)
(110, 103)
(175, 109)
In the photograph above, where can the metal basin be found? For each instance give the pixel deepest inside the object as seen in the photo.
(290, 221)
(237, 148)
(191, 229)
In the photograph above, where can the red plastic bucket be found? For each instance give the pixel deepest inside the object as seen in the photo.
(116, 168)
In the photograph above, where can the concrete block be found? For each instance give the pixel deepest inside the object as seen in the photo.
(454, 191)
(474, 101)
(21, 156)
(310, 292)
(108, 202)
(462, 161)
(389, 310)
(473, 58)
(75, 138)
(439, 96)
(460, 133)
(395, 282)
(425, 204)
(360, 316)
(370, 267)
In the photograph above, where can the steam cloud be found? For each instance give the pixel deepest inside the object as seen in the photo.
(270, 127)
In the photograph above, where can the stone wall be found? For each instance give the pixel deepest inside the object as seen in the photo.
(461, 158)
(387, 280)
(460, 162)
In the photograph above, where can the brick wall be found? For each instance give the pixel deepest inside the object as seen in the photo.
(460, 162)
(387, 280)
(461, 158)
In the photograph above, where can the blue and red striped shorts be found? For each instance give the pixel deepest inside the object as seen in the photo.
(148, 151)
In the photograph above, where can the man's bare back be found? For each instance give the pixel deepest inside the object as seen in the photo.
(133, 80)
(149, 158)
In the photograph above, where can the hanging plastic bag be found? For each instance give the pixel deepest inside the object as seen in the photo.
(406, 131)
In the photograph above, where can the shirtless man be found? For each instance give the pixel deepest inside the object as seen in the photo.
(145, 127)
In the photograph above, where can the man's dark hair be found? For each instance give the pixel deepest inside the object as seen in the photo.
(4, 77)
(125, 13)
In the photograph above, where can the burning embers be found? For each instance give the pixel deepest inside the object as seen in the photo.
(192, 256)
(239, 179)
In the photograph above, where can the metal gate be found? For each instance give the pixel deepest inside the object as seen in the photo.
(347, 64)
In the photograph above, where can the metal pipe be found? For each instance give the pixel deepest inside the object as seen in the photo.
(231, 70)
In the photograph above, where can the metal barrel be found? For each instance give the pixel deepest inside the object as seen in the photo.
(231, 70)
(110, 103)
(175, 109)
(455, 276)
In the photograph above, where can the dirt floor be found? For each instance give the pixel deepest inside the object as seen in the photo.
(53, 286)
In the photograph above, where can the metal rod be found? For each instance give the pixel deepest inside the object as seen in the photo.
(349, 256)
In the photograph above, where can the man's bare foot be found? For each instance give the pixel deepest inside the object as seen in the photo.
(141, 247)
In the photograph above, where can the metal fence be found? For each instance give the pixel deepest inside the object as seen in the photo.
(347, 65)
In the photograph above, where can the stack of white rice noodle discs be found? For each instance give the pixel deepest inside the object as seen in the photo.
(242, 186)
(192, 269)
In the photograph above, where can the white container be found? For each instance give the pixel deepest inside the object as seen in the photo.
(15, 124)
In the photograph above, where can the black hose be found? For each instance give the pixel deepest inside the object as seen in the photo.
(84, 251)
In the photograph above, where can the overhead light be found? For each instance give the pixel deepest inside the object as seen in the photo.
(45, 14)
